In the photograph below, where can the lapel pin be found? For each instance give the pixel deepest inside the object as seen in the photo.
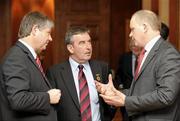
(98, 78)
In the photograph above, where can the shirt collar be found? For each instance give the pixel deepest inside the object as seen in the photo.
(75, 64)
(151, 43)
(29, 47)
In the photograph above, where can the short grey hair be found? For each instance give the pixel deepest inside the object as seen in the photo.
(74, 31)
(31, 19)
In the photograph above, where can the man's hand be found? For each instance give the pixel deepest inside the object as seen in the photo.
(105, 89)
(110, 94)
(54, 95)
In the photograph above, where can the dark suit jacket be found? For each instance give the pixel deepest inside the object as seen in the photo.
(61, 77)
(23, 91)
(124, 74)
(155, 95)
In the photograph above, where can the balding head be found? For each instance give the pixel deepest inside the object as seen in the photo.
(149, 17)
(144, 25)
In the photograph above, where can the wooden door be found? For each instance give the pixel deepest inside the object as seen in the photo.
(93, 14)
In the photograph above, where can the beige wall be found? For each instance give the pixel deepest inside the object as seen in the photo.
(146, 4)
(163, 9)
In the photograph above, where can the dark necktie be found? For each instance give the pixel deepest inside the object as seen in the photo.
(139, 61)
(40, 66)
(85, 105)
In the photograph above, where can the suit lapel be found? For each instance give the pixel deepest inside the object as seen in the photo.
(31, 58)
(150, 56)
(69, 83)
(97, 74)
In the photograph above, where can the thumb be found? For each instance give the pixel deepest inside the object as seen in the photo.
(110, 79)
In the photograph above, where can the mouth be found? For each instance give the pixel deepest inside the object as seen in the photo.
(88, 53)
(46, 44)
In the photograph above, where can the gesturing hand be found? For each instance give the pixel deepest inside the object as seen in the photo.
(105, 89)
(110, 95)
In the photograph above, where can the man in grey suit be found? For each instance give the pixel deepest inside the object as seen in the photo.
(65, 76)
(155, 93)
(26, 94)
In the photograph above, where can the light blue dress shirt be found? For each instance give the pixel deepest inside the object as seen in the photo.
(94, 99)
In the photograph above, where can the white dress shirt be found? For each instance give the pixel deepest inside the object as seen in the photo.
(149, 46)
(29, 47)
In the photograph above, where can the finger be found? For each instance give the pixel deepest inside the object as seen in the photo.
(105, 97)
(110, 79)
(100, 89)
(115, 91)
(98, 86)
(97, 83)
(111, 82)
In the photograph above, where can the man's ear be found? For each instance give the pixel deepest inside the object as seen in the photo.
(70, 48)
(145, 27)
(34, 30)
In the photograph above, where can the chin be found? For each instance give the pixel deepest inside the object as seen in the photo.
(44, 48)
(88, 58)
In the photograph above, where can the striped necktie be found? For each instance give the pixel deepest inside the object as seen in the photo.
(40, 66)
(139, 61)
(85, 105)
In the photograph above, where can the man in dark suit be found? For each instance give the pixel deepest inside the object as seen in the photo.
(126, 67)
(26, 94)
(65, 77)
(155, 90)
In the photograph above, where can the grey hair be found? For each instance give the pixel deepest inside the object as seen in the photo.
(74, 31)
(31, 19)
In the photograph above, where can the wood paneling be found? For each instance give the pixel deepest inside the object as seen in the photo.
(93, 14)
(120, 15)
(83, 7)
(19, 8)
(155, 6)
(5, 24)
(174, 23)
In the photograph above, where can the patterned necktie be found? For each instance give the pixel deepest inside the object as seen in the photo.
(40, 66)
(139, 61)
(85, 105)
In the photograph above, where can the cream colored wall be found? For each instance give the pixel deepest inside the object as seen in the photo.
(164, 12)
(163, 9)
(146, 4)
